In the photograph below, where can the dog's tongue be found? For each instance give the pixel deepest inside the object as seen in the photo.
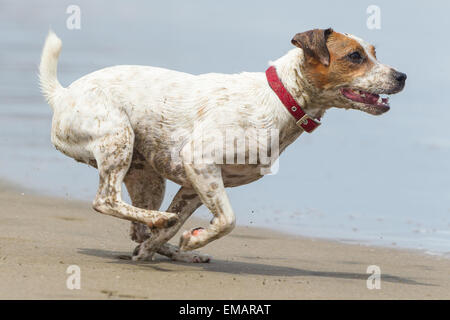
(371, 98)
(362, 96)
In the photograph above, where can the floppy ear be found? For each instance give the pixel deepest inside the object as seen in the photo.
(314, 44)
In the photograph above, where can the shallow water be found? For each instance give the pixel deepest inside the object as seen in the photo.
(358, 178)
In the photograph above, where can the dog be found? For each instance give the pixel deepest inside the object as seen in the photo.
(121, 121)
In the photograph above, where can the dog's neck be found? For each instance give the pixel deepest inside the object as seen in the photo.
(291, 75)
(289, 71)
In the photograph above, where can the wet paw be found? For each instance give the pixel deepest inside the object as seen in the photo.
(166, 220)
(197, 231)
(172, 219)
(201, 258)
(192, 239)
(174, 253)
(140, 254)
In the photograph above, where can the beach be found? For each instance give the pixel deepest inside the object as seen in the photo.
(40, 237)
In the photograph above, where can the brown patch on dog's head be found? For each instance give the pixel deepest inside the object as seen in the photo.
(343, 70)
(328, 61)
(373, 51)
(314, 44)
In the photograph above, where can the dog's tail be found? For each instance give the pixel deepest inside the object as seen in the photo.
(47, 69)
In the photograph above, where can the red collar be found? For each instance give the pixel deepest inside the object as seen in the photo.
(303, 120)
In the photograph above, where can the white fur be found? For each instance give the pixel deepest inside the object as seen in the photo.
(48, 67)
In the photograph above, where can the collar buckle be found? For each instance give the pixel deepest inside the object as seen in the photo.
(303, 120)
(307, 123)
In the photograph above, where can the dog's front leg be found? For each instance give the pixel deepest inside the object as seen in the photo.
(185, 202)
(207, 181)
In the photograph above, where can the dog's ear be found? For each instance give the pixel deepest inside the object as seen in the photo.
(314, 44)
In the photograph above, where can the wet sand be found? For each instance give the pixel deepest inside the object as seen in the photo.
(41, 236)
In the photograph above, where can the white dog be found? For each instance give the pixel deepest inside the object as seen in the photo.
(122, 121)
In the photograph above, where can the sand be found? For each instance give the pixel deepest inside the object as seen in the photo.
(40, 237)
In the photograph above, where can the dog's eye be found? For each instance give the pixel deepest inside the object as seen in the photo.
(355, 57)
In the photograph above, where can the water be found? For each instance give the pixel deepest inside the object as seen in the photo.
(358, 178)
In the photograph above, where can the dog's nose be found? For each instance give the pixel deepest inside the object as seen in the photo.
(400, 76)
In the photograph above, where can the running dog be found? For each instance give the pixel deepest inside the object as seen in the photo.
(122, 119)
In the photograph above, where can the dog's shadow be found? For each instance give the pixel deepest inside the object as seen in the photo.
(240, 267)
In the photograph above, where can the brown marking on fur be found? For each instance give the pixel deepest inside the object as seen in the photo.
(93, 163)
(179, 169)
(205, 173)
(160, 223)
(373, 51)
(341, 69)
(214, 185)
(138, 156)
(235, 175)
(200, 112)
(189, 196)
(314, 44)
(137, 166)
(178, 207)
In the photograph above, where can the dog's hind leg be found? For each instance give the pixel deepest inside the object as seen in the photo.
(146, 189)
(185, 202)
(113, 153)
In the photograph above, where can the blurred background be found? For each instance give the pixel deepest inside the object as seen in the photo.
(359, 178)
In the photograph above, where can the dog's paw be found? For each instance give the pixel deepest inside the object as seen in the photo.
(192, 239)
(189, 256)
(175, 254)
(200, 258)
(192, 257)
(141, 254)
(163, 220)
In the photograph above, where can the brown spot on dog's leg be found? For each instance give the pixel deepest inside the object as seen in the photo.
(214, 185)
(164, 223)
(189, 196)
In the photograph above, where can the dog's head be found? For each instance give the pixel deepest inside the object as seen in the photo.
(342, 70)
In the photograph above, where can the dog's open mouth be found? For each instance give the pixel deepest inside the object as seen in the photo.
(371, 99)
